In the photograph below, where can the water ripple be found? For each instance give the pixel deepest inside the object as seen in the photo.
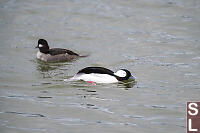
(24, 114)
(78, 121)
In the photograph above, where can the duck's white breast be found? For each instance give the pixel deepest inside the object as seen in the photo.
(42, 56)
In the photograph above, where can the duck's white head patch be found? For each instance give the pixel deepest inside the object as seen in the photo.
(120, 73)
(40, 45)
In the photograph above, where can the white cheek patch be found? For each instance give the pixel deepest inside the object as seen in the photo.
(120, 73)
(40, 45)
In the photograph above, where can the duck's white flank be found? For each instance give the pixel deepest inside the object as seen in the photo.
(97, 78)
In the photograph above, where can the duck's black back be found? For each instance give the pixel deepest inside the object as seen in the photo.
(57, 51)
(99, 70)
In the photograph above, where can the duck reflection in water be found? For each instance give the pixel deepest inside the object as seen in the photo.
(45, 67)
(127, 84)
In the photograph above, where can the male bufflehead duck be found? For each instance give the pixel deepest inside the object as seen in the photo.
(54, 54)
(102, 75)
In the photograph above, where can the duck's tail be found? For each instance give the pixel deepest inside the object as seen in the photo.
(82, 56)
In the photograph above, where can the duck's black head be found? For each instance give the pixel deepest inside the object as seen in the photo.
(123, 74)
(43, 46)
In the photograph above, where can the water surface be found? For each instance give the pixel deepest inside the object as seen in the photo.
(157, 40)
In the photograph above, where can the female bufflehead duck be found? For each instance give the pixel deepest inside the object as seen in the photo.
(102, 75)
(54, 54)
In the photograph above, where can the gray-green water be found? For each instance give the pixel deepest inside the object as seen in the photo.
(157, 40)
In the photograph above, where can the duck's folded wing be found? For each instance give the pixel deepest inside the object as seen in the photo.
(57, 51)
(99, 70)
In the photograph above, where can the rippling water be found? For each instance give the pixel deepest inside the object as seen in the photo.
(157, 40)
